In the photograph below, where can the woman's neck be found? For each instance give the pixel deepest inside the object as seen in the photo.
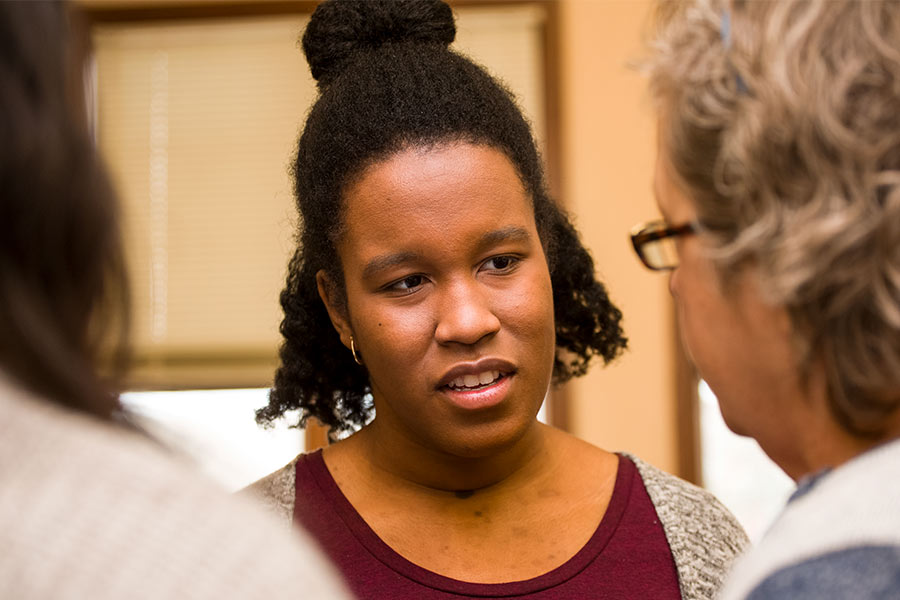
(820, 441)
(398, 459)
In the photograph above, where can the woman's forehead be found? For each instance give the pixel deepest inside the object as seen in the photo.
(439, 197)
(439, 182)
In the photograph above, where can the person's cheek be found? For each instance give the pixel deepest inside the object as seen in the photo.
(674, 279)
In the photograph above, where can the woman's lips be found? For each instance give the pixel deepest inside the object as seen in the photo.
(475, 373)
(474, 381)
(481, 395)
(477, 384)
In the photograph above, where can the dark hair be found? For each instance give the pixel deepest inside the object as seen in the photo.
(388, 81)
(61, 263)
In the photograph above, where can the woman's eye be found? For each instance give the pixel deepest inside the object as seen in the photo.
(501, 263)
(407, 283)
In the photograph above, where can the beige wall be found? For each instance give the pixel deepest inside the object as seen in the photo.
(607, 160)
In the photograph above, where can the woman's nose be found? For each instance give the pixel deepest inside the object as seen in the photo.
(465, 315)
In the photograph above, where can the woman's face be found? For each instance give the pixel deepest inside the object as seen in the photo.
(448, 297)
(740, 344)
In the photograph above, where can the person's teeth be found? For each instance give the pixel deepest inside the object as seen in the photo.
(472, 381)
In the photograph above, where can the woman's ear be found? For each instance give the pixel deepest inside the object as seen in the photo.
(335, 305)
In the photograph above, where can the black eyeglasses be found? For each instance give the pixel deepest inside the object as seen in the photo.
(654, 243)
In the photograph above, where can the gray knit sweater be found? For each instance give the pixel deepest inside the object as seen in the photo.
(704, 537)
(89, 511)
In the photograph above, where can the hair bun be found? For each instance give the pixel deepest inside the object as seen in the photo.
(339, 29)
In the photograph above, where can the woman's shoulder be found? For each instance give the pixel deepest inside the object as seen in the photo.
(703, 535)
(110, 494)
(275, 491)
(839, 526)
(682, 499)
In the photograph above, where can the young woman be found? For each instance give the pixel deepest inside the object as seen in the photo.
(436, 292)
(779, 178)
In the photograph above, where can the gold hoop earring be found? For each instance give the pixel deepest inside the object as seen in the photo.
(353, 352)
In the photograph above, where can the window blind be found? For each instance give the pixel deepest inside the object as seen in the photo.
(197, 121)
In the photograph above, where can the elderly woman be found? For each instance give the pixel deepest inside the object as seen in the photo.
(778, 178)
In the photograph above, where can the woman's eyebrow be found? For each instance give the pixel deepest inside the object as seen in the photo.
(386, 261)
(511, 233)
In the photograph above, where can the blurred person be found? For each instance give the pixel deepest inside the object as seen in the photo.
(436, 292)
(778, 179)
(88, 507)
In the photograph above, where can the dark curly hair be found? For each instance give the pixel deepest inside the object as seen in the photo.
(387, 81)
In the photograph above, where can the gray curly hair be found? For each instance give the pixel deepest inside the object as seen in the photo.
(783, 121)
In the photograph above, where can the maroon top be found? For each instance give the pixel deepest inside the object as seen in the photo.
(627, 557)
